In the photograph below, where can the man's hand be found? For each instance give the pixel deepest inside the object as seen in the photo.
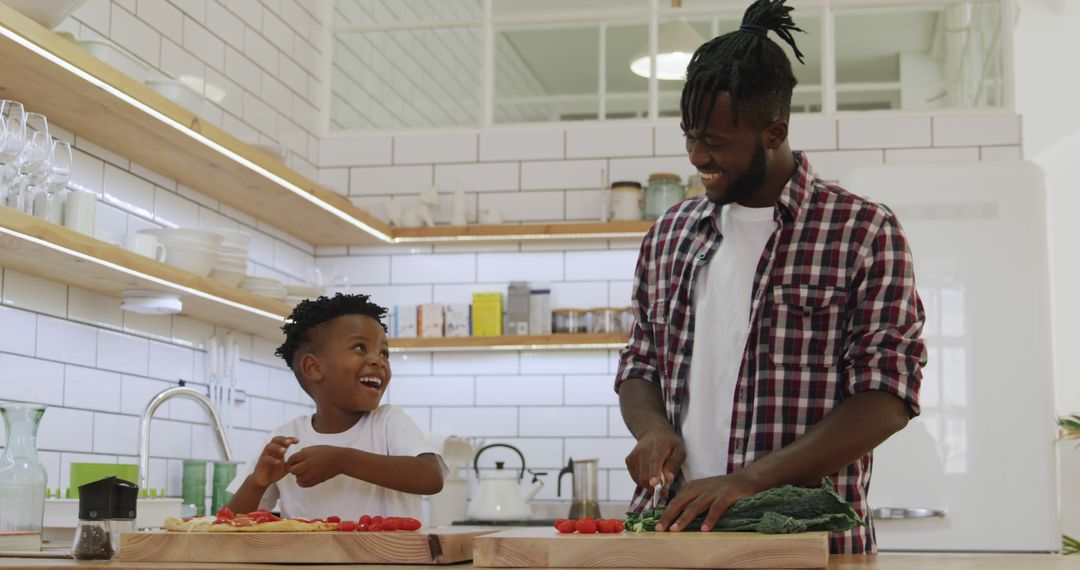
(712, 494)
(315, 464)
(660, 450)
(271, 465)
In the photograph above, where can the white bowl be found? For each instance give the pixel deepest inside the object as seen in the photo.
(261, 282)
(230, 278)
(187, 236)
(234, 238)
(194, 259)
(114, 56)
(178, 91)
(48, 13)
(303, 291)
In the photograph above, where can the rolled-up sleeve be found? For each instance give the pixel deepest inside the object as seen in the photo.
(885, 351)
(639, 358)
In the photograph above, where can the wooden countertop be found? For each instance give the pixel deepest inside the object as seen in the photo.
(890, 561)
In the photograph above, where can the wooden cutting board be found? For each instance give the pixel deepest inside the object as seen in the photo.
(426, 546)
(547, 548)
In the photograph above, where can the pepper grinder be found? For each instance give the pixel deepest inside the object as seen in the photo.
(92, 539)
(122, 514)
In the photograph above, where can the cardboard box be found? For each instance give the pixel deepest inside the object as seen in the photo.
(487, 318)
(429, 320)
(540, 309)
(517, 308)
(458, 320)
(404, 321)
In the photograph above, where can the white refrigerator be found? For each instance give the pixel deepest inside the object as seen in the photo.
(977, 470)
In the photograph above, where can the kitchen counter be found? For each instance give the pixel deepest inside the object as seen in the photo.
(890, 561)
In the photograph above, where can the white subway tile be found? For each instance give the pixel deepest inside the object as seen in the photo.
(600, 265)
(50, 460)
(24, 379)
(620, 486)
(989, 153)
(427, 148)
(114, 433)
(415, 364)
(390, 295)
(285, 387)
(553, 245)
(205, 45)
(451, 268)
(611, 452)
(431, 391)
(564, 362)
(475, 422)
(584, 205)
(34, 293)
(639, 169)
(531, 144)
(579, 295)
(931, 155)
(359, 270)
(94, 14)
(247, 444)
(474, 247)
(447, 294)
(58, 339)
(812, 134)
(266, 414)
(170, 362)
(190, 332)
(259, 49)
(136, 392)
(331, 250)
(481, 177)
(616, 424)
(668, 140)
(262, 352)
(590, 390)
(91, 389)
(835, 165)
(883, 132)
(389, 249)
(292, 261)
(162, 16)
(475, 363)
(336, 150)
(187, 410)
(158, 179)
(609, 140)
(275, 29)
(134, 223)
(170, 438)
(18, 331)
(563, 421)
(563, 174)
(390, 180)
(87, 172)
(242, 70)
(154, 326)
(175, 211)
(505, 390)
(204, 445)
(122, 352)
(194, 8)
(67, 458)
(277, 95)
(621, 293)
(336, 179)
(102, 153)
(224, 24)
(525, 206)
(110, 223)
(502, 267)
(540, 453)
(977, 130)
(64, 429)
(134, 35)
(128, 192)
(253, 379)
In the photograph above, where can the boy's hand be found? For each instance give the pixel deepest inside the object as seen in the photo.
(315, 464)
(271, 466)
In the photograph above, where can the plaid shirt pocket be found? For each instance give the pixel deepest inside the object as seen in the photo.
(808, 326)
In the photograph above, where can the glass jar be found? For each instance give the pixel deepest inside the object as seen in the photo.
(569, 321)
(664, 191)
(606, 320)
(626, 200)
(23, 478)
(694, 187)
(626, 317)
(93, 541)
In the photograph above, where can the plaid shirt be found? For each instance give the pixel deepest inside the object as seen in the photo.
(833, 312)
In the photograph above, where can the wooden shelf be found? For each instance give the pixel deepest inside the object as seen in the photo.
(530, 342)
(51, 79)
(507, 232)
(53, 252)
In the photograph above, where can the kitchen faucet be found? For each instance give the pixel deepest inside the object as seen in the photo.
(157, 401)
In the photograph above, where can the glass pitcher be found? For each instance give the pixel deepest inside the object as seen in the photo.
(23, 479)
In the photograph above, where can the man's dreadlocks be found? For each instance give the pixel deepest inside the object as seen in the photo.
(752, 69)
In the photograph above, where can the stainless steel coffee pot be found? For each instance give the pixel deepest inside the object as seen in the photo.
(583, 475)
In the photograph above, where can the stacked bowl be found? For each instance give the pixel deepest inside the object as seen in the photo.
(265, 287)
(192, 250)
(297, 293)
(231, 268)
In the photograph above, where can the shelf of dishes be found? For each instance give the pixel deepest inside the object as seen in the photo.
(43, 249)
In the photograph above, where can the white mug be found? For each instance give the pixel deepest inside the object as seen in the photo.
(49, 210)
(144, 244)
(626, 203)
(79, 210)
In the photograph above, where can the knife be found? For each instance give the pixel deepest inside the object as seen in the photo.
(656, 492)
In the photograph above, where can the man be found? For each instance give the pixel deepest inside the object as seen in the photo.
(777, 335)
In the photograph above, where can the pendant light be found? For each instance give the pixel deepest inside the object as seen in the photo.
(676, 42)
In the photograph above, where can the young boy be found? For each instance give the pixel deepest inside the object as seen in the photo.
(353, 456)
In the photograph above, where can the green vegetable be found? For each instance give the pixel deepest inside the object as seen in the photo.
(781, 510)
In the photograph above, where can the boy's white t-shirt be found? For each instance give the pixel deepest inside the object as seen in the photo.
(385, 431)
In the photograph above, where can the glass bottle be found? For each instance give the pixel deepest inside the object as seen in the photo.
(23, 478)
(664, 191)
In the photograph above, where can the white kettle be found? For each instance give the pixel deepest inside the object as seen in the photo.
(499, 495)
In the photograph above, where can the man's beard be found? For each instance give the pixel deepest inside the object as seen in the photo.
(749, 181)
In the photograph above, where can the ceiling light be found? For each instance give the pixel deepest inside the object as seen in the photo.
(676, 43)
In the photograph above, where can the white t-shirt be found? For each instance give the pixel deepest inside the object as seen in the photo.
(386, 430)
(721, 322)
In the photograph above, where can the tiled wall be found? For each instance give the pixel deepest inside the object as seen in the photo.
(264, 54)
(558, 405)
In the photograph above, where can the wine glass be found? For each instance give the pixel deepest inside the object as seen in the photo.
(59, 172)
(30, 163)
(12, 135)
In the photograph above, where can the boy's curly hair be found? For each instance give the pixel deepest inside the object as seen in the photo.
(311, 313)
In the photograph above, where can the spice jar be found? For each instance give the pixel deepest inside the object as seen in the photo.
(606, 320)
(92, 539)
(122, 512)
(626, 200)
(694, 187)
(569, 321)
(664, 191)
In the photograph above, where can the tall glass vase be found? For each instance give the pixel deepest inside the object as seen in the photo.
(22, 476)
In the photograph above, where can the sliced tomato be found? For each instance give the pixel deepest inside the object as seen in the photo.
(225, 513)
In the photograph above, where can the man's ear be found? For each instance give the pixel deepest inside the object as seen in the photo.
(775, 134)
(310, 368)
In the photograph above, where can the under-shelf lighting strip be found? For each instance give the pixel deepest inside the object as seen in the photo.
(15, 37)
(141, 275)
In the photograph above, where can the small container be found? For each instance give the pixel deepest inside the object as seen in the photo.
(626, 318)
(193, 485)
(569, 321)
(93, 541)
(627, 200)
(694, 187)
(606, 320)
(664, 191)
(122, 513)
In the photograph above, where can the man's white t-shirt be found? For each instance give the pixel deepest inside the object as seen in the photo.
(721, 322)
(386, 431)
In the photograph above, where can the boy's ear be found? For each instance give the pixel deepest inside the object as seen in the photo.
(310, 368)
